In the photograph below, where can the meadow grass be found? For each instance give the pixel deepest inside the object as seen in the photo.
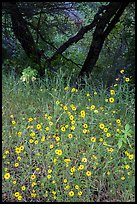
(61, 144)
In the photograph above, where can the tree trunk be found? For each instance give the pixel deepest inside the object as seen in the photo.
(104, 21)
(24, 36)
(113, 11)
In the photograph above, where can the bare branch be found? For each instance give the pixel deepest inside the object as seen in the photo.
(79, 35)
(52, 45)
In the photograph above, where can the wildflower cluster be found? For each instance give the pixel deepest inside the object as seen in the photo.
(70, 149)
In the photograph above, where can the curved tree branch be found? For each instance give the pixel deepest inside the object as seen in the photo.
(79, 35)
(52, 45)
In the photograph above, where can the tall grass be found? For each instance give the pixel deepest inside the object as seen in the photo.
(61, 144)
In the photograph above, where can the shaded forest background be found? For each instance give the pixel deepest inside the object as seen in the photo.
(95, 39)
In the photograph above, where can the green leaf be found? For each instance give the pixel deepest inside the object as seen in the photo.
(127, 127)
(118, 136)
(124, 139)
(130, 132)
(119, 143)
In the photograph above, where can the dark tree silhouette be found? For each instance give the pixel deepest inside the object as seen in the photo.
(23, 34)
(104, 26)
(103, 23)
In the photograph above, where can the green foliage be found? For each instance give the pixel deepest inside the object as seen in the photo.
(123, 138)
(28, 74)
